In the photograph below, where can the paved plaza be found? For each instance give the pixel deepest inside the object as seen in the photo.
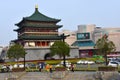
(45, 76)
(78, 75)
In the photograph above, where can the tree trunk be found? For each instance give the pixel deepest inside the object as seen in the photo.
(64, 61)
(24, 63)
(106, 61)
(17, 62)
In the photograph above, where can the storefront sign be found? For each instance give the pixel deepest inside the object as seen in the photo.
(83, 36)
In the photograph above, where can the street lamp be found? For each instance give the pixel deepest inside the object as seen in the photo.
(24, 62)
(63, 36)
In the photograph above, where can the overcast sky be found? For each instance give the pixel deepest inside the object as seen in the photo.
(103, 13)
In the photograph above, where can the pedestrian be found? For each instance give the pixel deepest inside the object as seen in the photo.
(40, 67)
(72, 67)
(50, 68)
(7, 67)
(11, 67)
(47, 67)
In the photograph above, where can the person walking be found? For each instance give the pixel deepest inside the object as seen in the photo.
(7, 68)
(72, 67)
(40, 67)
(50, 68)
(47, 67)
(11, 67)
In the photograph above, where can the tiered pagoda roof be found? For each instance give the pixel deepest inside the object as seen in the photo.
(30, 37)
(40, 21)
(37, 16)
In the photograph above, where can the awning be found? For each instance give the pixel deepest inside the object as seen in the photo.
(83, 43)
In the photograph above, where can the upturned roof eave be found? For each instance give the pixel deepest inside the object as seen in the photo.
(41, 38)
(25, 19)
(37, 16)
(17, 24)
(56, 21)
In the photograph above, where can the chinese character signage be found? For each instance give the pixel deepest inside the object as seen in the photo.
(83, 36)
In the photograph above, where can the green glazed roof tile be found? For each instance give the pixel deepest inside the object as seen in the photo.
(37, 16)
(44, 26)
(83, 43)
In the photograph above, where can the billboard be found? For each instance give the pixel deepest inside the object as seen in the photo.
(83, 36)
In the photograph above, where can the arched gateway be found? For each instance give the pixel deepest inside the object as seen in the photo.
(47, 56)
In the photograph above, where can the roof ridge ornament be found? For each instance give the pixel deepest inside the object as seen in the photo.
(36, 6)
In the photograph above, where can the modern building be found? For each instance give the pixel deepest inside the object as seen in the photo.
(85, 40)
(3, 53)
(87, 35)
(113, 35)
(1, 48)
(71, 38)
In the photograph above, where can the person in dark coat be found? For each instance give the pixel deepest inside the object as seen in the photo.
(40, 67)
(72, 67)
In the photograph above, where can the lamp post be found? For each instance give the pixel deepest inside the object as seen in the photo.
(24, 62)
(63, 36)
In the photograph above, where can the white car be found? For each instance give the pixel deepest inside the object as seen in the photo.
(68, 64)
(81, 62)
(91, 62)
(114, 63)
(19, 65)
(85, 62)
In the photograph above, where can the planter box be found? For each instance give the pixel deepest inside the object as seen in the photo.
(60, 68)
(107, 69)
(11, 79)
(18, 69)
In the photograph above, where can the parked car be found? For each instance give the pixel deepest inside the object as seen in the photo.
(68, 64)
(80, 62)
(4, 68)
(90, 62)
(114, 63)
(85, 62)
(18, 65)
(31, 65)
(112, 59)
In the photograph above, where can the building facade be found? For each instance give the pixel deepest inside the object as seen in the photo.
(71, 38)
(1, 48)
(85, 40)
(113, 35)
(87, 35)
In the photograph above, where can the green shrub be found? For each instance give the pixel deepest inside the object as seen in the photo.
(107, 68)
(52, 62)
